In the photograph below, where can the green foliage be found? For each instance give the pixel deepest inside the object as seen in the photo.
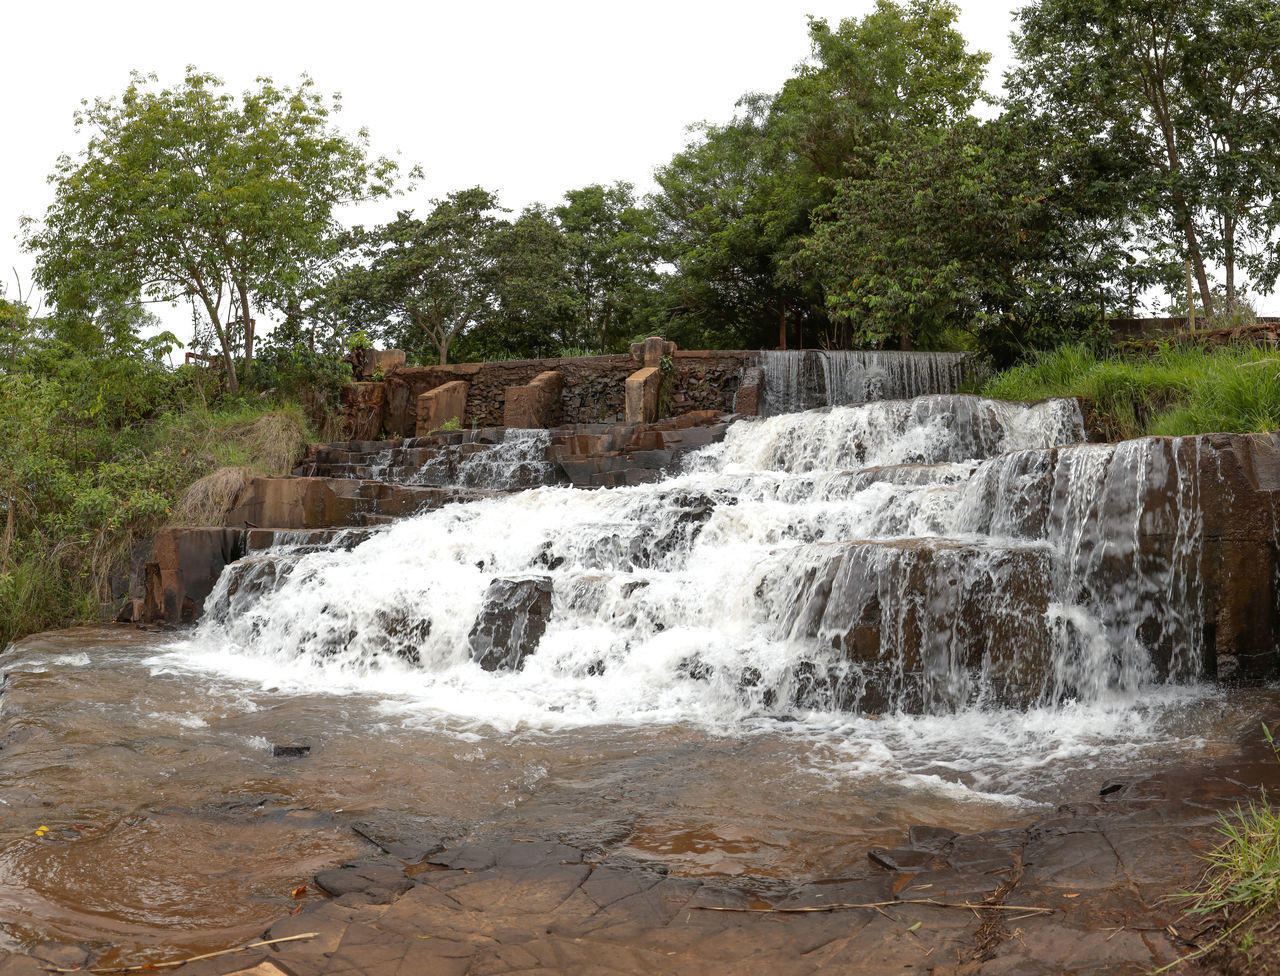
(985, 228)
(737, 205)
(612, 258)
(534, 310)
(420, 284)
(97, 445)
(189, 193)
(1187, 92)
(1177, 390)
(288, 369)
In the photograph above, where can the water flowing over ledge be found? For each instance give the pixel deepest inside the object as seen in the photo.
(803, 379)
(935, 554)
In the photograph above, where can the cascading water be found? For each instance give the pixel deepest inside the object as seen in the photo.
(518, 460)
(923, 555)
(797, 380)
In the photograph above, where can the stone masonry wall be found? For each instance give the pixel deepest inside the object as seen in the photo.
(594, 387)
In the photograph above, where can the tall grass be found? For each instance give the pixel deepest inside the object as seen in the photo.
(82, 506)
(1176, 390)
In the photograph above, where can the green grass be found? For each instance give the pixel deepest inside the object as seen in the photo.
(1240, 898)
(1177, 390)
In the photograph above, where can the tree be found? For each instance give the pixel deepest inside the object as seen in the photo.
(612, 258)
(728, 208)
(187, 192)
(422, 283)
(533, 311)
(737, 205)
(1189, 91)
(985, 228)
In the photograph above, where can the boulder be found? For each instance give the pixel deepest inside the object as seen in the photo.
(512, 620)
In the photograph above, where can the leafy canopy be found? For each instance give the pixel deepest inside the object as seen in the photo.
(190, 193)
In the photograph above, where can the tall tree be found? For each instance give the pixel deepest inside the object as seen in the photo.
(187, 192)
(534, 307)
(422, 283)
(612, 258)
(1187, 89)
(729, 206)
(987, 228)
(737, 205)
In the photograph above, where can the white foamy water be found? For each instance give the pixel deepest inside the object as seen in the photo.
(885, 558)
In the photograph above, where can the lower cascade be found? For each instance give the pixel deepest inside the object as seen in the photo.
(926, 555)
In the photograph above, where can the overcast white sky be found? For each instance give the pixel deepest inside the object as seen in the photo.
(527, 98)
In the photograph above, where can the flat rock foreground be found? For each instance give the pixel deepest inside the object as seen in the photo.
(1089, 889)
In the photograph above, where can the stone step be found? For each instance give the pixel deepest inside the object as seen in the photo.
(586, 455)
(323, 503)
(925, 624)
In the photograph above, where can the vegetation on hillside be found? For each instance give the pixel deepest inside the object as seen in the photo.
(99, 443)
(1178, 389)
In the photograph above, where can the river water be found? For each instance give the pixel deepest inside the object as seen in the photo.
(681, 708)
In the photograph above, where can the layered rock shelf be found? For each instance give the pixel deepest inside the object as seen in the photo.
(359, 484)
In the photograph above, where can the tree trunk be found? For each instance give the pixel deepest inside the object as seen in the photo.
(1197, 262)
(248, 327)
(782, 325)
(233, 380)
(904, 338)
(1229, 260)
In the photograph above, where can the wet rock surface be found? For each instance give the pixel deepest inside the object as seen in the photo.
(512, 622)
(1083, 890)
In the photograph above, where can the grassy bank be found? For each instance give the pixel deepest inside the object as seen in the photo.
(80, 489)
(1176, 390)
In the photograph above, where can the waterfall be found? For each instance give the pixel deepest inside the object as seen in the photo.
(802, 379)
(934, 554)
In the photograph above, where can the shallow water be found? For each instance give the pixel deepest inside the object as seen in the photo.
(172, 829)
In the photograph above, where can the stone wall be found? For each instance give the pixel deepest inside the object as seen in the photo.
(1264, 330)
(708, 380)
(593, 392)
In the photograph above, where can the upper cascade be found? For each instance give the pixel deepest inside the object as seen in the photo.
(796, 380)
(933, 554)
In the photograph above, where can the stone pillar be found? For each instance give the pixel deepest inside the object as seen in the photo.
(651, 351)
(382, 361)
(437, 407)
(751, 392)
(536, 405)
(643, 385)
(642, 395)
